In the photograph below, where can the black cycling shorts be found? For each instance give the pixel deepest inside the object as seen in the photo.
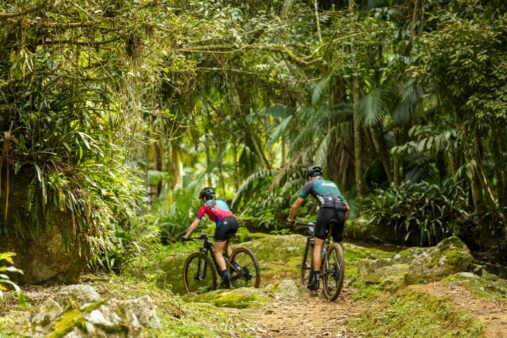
(330, 219)
(228, 228)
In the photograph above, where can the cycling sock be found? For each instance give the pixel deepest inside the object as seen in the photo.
(316, 275)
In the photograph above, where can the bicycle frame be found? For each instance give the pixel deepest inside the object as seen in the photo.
(310, 233)
(208, 249)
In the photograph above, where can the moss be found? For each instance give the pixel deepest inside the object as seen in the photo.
(416, 314)
(481, 286)
(456, 257)
(68, 322)
(354, 253)
(237, 298)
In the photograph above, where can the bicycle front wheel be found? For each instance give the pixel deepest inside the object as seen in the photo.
(333, 271)
(199, 274)
(244, 269)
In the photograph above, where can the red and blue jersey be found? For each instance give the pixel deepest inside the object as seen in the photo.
(217, 211)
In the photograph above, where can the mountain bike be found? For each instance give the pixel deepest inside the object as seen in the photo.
(332, 267)
(200, 268)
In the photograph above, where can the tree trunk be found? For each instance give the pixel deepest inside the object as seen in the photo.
(356, 94)
(396, 159)
(358, 151)
(381, 148)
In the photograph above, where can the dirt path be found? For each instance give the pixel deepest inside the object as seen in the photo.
(306, 316)
(492, 313)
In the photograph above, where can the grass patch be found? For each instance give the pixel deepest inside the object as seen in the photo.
(410, 313)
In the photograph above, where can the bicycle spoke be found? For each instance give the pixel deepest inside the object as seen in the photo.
(198, 274)
(244, 269)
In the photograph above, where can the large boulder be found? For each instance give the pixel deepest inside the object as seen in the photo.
(79, 311)
(382, 270)
(46, 247)
(450, 256)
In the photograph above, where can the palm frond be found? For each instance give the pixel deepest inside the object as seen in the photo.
(374, 105)
(320, 88)
(247, 183)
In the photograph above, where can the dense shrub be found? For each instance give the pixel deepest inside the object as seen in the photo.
(416, 213)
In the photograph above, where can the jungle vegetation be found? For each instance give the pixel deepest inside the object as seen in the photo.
(118, 112)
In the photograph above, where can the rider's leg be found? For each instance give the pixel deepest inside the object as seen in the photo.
(219, 254)
(219, 257)
(317, 253)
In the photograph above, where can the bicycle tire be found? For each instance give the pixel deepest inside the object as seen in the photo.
(204, 268)
(333, 271)
(306, 264)
(248, 263)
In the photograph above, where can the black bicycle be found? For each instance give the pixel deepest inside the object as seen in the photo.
(332, 267)
(200, 268)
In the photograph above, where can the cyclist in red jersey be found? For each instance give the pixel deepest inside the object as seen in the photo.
(217, 211)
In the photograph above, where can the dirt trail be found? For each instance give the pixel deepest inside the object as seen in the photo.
(306, 316)
(492, 313)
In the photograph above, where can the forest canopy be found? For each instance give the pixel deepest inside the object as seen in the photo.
(110, 109)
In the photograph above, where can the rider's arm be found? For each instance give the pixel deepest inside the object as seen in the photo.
(294, 209)
(299, 201)
(192, 227)
(347, 211)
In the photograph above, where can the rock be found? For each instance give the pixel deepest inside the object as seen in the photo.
(286, 288)
(48, 254)
(408, 255)
(46, 313)
(76, 296)
(448, 257)
(468, 275)
(141, 310)
(382, 269)
(476, 269)
(103, 317)
(76, 333)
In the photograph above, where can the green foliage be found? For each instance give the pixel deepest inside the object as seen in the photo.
(4, 277)
(417, 213)
(175, 213)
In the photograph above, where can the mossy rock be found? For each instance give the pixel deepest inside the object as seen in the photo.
(382, 270)
(450, 256)
(237, 298)
(277, 247)
(46, 248)
(173, 272)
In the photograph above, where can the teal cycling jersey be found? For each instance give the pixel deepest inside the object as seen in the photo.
(325, 192)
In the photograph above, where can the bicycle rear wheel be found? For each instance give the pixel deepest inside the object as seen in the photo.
(199, 274)
(306, 264)
(244, 269)
(333, 271)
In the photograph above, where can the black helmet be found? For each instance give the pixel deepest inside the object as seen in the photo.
(207, 192)
(314, 170)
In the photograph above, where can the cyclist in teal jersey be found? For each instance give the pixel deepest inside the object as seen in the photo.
(217, 211)
(332, 214)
